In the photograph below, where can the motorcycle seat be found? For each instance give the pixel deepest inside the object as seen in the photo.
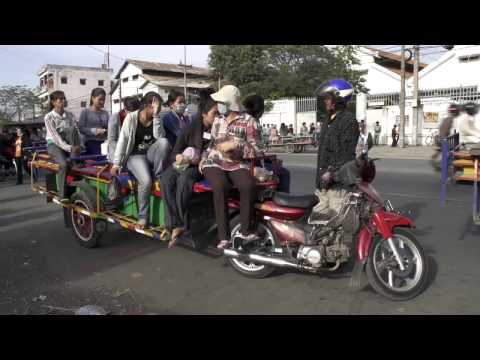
(295, 201)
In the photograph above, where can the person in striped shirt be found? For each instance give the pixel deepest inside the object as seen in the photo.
(63, 137)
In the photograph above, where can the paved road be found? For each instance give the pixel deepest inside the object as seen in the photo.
(132, 274)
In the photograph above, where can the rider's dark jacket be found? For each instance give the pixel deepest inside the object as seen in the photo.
(337, 144)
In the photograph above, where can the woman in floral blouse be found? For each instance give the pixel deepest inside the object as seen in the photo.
(235, 139)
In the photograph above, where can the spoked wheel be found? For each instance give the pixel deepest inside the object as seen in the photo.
(384, 273)
(84, 226)
(251, 269)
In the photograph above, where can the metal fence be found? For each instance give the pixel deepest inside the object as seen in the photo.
(457, 94)
(386, 99)
(306, 104)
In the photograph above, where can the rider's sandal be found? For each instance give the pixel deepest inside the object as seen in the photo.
(222, 244)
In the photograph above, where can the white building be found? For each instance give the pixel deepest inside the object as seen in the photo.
(454, 77)
(76, 82)
(136, 78)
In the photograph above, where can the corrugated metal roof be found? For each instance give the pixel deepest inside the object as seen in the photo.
(169, 82)
(174, 68)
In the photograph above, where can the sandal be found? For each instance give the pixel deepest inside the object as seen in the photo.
(223, 244)
(176, 233)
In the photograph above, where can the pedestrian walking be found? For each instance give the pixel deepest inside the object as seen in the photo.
(377, 131)
(21, 142)
(395, 135)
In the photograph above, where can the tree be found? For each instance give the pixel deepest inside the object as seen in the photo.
(15, 101)
(276, 71)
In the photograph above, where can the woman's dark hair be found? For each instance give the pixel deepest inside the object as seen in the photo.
(174, 95)
(96, 93)
(131, 103)
(254, 106)
(55, 96)
(148, 99)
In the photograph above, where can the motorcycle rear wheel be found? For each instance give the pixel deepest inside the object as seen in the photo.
(251, 269)
(390, 281)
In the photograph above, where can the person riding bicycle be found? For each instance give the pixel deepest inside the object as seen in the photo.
(337, 145)
(469, 132)
(444, 131)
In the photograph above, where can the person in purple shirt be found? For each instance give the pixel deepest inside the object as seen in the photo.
(93, 122)
(175, 120)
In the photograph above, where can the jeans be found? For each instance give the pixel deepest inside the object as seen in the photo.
(93, 147)
(221, 182)
(376, 138)
(61, 158)
(177, 188)
(139, 165)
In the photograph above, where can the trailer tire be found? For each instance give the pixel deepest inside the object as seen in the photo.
(85, 228)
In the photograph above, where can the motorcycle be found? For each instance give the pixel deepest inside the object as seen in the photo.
(366, 230)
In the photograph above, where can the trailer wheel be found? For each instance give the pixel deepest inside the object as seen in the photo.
(85, 227)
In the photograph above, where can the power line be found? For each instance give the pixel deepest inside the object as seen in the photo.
(104, 52)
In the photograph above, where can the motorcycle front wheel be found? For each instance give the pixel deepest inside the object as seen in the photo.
(251, 269)
(384, 273)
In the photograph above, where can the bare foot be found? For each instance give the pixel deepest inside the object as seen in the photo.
(141, 224)
(175, 234)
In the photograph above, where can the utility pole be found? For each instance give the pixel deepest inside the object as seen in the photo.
(416, 100)
(185, 71)
(402, 98)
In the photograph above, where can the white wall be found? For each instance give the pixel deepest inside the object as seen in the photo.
(129, 88)
(448, 71)
(77, 93)
(283, 111)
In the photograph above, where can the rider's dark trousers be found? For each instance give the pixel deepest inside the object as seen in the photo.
(221, 182)
(176, 188)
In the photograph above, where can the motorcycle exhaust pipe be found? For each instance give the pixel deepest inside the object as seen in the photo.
(265, 260)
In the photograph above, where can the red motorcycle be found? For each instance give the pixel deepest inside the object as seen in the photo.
(366, 229)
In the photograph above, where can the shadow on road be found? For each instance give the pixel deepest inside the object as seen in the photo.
(18, 198)
(469, 229)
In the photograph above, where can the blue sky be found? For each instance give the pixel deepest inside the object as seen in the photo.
(20, 63)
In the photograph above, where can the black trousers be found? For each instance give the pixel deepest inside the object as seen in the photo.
(176, 188)
(221, 182)
(19, 164)
(60, 156)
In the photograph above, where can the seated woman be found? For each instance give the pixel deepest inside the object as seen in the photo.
(115, 123)
(235, 138)
(93, 122)
(255, 106)
(174, 121)
(142, 143)
(178, 180)
(63, 137)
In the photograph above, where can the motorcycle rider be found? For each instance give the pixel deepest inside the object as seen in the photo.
(337, 144)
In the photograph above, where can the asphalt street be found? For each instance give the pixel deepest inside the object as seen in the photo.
(132, 274)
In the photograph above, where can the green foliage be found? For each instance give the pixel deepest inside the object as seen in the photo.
(16, 99)
(279, 71)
